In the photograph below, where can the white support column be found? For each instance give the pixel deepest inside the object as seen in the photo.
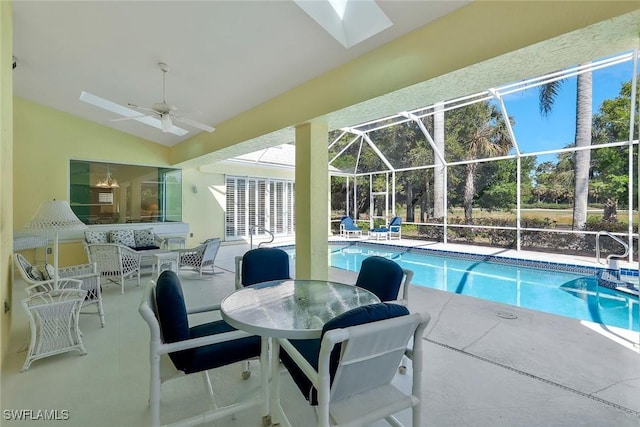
(312, 188)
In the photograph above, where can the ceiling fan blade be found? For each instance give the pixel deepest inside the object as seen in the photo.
(122, 119)
(194, 123)
(128, 112)
(142, 109)
(107, 105)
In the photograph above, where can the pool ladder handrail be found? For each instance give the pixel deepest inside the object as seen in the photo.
(610, 257)
(253, 230)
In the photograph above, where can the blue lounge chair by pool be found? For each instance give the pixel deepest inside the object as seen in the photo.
(395, 227)
(392, 230)
(348, 227)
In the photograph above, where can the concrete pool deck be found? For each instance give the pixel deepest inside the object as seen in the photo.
(480, 369)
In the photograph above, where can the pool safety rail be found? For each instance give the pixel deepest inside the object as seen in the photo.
(259, 228)
(611, 259)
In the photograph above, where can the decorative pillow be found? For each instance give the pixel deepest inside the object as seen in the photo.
(24, 264)
(95, 236)
(122, 237)
(35, 274)
(144, 238)
(50, 271)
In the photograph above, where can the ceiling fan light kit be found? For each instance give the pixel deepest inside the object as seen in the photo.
(161, 114)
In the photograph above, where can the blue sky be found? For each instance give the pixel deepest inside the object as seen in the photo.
(537, 133)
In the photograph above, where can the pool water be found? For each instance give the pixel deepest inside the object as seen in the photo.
(563, 293)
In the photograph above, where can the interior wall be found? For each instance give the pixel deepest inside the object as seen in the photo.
(204, 210)
(6, 171)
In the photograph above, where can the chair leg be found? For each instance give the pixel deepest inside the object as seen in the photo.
(154, 391)
(101, 312)
(99, 309)
(403, 365)
(209, 387)
(246, 372)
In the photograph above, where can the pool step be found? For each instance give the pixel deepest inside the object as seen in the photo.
(611, 279)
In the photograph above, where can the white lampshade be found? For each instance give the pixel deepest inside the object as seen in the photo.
(55, 215)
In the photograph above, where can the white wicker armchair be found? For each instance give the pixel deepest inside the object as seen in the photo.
(53, 320)
(115, 261)
(87, 274)
(200, 257)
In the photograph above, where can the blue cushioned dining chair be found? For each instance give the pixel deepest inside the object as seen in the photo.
(261, 265)
(385, 278)
(191, 349)
(347, 373)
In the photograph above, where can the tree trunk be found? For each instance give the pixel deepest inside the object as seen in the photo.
(410, 212)
(469, 190)
(438, 172)
(610, 210)
(425, 204)
(583, 157)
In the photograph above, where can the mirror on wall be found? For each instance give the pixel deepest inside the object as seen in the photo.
(112, 193)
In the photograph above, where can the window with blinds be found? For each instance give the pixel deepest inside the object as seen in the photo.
(255, 205)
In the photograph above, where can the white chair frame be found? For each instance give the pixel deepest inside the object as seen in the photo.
(347, 233)
(115, 261)
(404, 288)
(162, 369)
(86, 273)
(200, 257)
(362, 391)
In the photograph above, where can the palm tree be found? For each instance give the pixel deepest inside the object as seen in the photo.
(480, 131)
(581, 157)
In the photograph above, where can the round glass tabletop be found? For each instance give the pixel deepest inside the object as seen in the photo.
(292, 309)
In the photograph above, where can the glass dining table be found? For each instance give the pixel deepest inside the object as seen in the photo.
(291, 309)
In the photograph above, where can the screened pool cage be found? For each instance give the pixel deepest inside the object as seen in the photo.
(544, 164)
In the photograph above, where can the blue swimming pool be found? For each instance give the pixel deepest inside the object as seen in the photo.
(572, 294)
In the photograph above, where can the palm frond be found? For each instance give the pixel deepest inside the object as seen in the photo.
(547, 96)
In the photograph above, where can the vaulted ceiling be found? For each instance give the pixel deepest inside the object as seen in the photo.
(252, 59)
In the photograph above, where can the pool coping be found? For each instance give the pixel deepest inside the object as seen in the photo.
(495, 255)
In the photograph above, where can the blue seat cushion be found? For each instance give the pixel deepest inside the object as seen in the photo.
(174, 324)
(263, 265)
(381, 276)
(216, 355)
(310, 349)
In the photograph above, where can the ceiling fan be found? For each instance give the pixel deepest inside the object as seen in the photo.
(160, 115)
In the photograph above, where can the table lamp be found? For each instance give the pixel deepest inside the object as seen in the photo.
(55, 216)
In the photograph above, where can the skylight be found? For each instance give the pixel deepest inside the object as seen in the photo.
(348, 21)
(339, 6)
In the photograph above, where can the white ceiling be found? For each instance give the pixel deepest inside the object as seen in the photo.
(225, 56)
